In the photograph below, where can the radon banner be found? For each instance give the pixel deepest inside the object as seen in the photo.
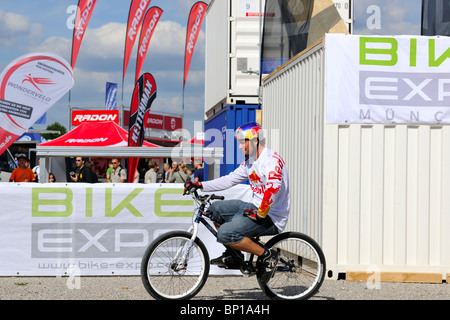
(29, 86)
(148, 27)
(92, 229)
(383, 79)
(135, 17)
(84, 12)
(194, 25)
(143, 95)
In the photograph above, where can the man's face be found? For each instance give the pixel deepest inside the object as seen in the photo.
(115, 163)
(22, 162)
(244, 145)
(79, 161)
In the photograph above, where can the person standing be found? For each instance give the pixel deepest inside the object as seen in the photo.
(82, 173)
(150, 175)
(22, 173)
(166, 173)
(182, 175)
(118, 174)
(198, 173)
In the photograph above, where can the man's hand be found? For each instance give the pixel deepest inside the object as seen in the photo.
(190, 186)
(252, 214)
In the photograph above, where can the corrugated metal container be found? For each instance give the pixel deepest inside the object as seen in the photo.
(374, 196)
(232, 54)
(292, 114)
(219, 132)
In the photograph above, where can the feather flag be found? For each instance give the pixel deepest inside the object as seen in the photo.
(148, 27)
(29, 86)
(143, 95)
(195, 20)
(84, 12)
(138, 8)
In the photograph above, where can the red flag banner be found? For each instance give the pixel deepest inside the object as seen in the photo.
(135, 17)
(143, 95)
(84, 12)
(195, 20)
(29, 86)
(148, 27)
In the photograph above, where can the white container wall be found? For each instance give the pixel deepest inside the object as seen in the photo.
(386, 203)
(293, 115)
(376, 197)
(232, 53)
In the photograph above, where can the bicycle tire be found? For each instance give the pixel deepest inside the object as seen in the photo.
(306, 277)
(160, 279)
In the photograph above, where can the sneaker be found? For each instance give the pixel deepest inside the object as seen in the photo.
(267, 263)
(227, 260)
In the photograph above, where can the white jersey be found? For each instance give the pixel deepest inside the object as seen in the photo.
(269, 182)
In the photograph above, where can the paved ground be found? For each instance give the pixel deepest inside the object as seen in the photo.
(217, 289)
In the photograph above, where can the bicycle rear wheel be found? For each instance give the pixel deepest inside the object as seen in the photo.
(166, 275)
(300, 270)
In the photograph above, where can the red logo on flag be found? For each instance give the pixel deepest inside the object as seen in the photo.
(35, 81)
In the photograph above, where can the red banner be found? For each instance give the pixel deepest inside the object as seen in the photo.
(79, 116)
(196, 16)
(173, 123)
(29, 86)
(143, 95)
(148, 27)
(135, 17)
(84, 12)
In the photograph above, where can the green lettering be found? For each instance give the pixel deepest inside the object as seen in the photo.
(125, 203)
(159, 203)
(364, 51)
(36, 201)
(412, 52)
(88, 202)
(432, 54)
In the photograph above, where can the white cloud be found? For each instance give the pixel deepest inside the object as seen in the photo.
(108, 42)
(16, 29)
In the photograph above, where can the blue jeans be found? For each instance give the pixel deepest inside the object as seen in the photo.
(236, 227)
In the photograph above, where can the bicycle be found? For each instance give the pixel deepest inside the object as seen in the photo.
(176, 264)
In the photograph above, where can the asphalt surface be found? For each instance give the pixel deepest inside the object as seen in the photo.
(217, 288)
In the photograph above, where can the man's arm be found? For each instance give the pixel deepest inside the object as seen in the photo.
(239, 175)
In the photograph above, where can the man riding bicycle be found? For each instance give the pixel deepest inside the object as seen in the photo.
(268, 211)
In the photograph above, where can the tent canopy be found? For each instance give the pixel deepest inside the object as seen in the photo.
(107, 139)
(94, 134)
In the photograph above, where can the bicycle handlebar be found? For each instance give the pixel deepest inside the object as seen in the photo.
(206, 197)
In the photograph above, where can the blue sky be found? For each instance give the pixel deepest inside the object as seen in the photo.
(30, 26)
(387, 17)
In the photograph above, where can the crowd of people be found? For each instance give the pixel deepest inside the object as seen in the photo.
(174, 173)
(84, 172)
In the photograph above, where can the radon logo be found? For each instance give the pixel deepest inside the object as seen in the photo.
(35, 81)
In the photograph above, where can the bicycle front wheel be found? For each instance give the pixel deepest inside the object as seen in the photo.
(300, 270)
(171, 270)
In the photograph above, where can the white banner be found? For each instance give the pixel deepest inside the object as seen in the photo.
(383, 79)
(94, 229)
(29, 86)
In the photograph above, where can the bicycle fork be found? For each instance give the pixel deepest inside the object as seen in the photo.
(184, 249)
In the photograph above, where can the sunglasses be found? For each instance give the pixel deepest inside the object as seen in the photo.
(77, 160)
(114, 162)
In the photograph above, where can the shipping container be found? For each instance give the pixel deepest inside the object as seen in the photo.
(232, 53)
(219, 132)
(374, 195)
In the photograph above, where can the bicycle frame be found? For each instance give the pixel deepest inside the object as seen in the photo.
(199, 217)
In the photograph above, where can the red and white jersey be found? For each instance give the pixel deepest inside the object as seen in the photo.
(269, 182)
